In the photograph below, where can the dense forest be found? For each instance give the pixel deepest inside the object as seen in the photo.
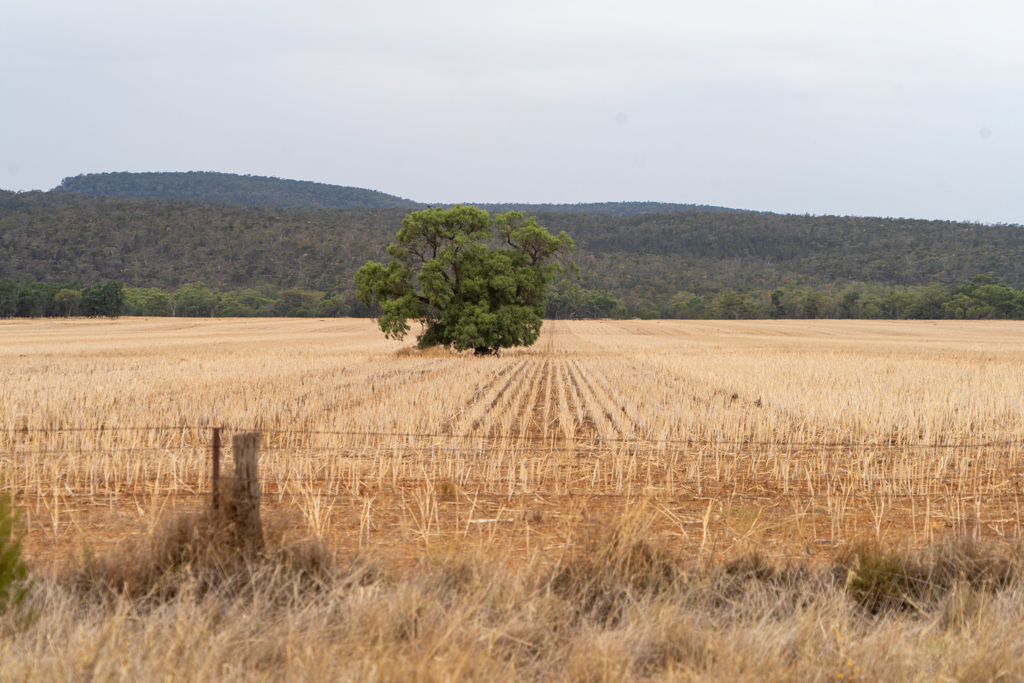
(674, 264)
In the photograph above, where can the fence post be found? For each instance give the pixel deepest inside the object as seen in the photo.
(245, 499)
(215, 473)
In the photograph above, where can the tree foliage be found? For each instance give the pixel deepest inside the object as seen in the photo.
(50, 299)
(569, 301)
(107, 299)
(68, 300)
(472, 281)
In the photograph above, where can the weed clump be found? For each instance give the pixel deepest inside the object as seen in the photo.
(207, 551)
(882, 579)
(615, 569)
(14, 581)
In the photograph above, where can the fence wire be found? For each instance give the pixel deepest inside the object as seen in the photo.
(554, 440)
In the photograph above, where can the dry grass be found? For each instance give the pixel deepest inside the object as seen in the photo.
(614, 606)
(793, 475)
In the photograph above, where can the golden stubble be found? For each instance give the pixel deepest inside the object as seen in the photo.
(789, 436)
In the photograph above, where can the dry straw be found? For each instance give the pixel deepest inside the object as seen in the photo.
(861, 425)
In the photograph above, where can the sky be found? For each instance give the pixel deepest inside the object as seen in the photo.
(875, 108)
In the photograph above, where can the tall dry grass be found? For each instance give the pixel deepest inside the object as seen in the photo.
(611, 605)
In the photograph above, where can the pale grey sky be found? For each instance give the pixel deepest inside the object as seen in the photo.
(888, 108)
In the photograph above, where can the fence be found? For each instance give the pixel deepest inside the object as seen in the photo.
(968, 484)
(169, 456)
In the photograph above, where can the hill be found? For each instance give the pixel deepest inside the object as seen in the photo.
(229, 188)
(607, 208)
(648, 262)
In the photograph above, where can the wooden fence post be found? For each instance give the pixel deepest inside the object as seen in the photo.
(215, 473)
(245, 503)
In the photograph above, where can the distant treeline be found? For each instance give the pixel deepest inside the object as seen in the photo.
(196, 300)
(984, 297)
(54, 300)
(193, 300)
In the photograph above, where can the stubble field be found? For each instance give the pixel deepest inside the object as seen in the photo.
(711, 443)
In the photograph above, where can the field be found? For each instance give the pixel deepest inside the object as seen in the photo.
(793, 442)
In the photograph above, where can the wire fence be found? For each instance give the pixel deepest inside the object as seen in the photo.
(13, 434)
(844, 484)
(850, 469)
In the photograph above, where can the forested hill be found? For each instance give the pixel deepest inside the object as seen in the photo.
(749, 250)
(644, 260)
(606, 208)
(229, 188)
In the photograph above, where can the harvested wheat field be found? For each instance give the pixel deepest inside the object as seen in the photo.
(626, 500)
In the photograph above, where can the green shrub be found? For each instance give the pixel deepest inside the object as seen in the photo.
(888, 579)
(14, 582)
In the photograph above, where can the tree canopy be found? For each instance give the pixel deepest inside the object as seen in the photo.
(473, 281)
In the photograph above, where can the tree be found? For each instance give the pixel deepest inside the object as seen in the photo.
(32, 300)
(8, 298)
(850, 304)
(107, 299)
(777, 309)
(247, 303)
(331, 306)
(472, 281)
(732, 305)
(565, 301)
(194, 300)
(296, 303)
(687, 305)
(896, 303)
(68, 300)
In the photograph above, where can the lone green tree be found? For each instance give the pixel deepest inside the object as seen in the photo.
(473, 281)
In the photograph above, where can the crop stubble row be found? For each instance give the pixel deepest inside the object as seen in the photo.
(866, 426)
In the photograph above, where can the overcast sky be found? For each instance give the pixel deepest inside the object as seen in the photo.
(887, 108)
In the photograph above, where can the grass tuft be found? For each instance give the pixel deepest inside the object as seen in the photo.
(205, 552)
(884, 579)
(615, 568)
(14, 580)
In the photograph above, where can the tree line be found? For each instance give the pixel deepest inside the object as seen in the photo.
(54, 300)
(983, 297)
